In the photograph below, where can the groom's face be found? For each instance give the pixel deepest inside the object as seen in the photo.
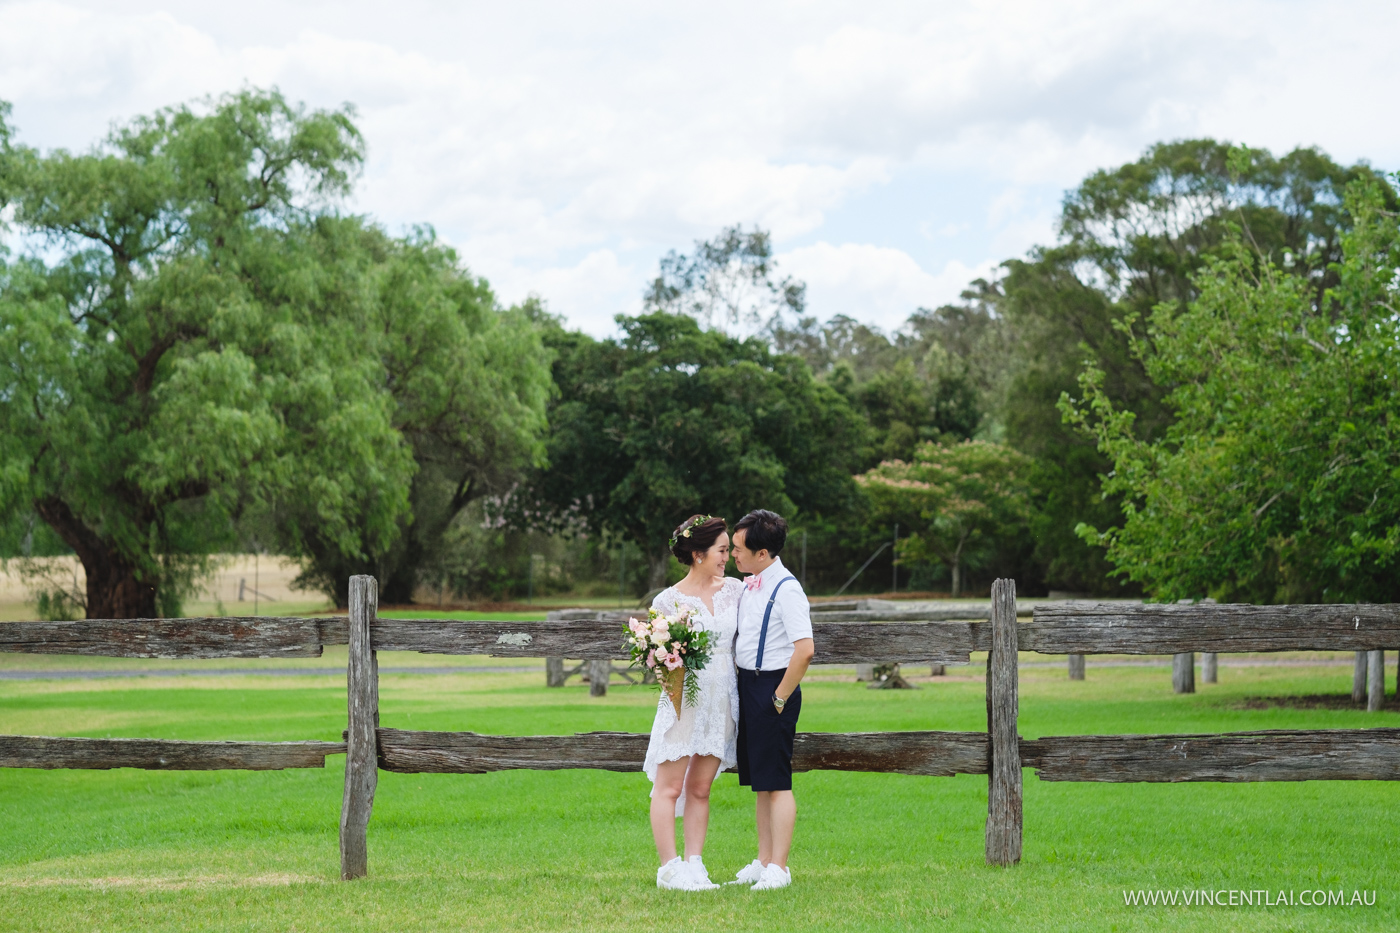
(747, 561)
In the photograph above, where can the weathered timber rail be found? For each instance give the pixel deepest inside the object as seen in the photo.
(937, 754)
(249, 637)
(1173, 629)
(843, 635)
(40, 751)
(1269, 755)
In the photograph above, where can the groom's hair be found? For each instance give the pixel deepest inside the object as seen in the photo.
(763, 531)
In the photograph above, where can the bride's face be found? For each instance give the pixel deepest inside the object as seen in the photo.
(715, 558)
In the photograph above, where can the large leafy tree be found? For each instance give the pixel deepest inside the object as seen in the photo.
(958, 501)
(673, 419)
(468, 384)
(198, 343)
(1133, 238)
(166, 348)
(1278, 479)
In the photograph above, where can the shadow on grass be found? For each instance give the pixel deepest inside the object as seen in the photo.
(1313, 701)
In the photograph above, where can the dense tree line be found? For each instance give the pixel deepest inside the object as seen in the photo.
(205, 353)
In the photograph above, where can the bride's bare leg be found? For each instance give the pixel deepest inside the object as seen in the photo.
(698, 779)
(670, 777)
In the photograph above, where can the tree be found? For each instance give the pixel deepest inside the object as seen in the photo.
(672, 419)
(954, 498)
(177, 352)
(1132, 239)
(925, 384)
(730, 281)
(1278, 479)
(469, 383)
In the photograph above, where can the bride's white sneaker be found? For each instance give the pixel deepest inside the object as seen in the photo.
(699, 877)
(773, 877)
(749, 874)
(675, 875)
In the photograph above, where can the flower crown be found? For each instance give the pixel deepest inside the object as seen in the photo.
(685, 532)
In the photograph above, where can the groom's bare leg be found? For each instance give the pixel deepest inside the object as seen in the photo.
(762, 817)
(782, 819)
(698, 779)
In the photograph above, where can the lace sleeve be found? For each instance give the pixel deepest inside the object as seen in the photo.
(665, 600)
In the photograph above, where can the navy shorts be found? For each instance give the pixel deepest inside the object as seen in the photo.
(765, 736)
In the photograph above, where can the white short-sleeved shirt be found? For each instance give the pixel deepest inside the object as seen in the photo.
(791, 620)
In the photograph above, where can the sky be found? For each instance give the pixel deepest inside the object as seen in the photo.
(895, 151)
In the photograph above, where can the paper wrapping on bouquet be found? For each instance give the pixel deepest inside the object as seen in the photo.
(674, 683)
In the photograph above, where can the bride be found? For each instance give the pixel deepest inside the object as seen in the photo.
(687, 752)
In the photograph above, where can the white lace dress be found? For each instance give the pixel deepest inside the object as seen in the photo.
(711, 726)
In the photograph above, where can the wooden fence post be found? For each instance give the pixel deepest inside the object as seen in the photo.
(554, 672)
(1184, 672)
(1209, 672)
(1358, 678)
(1076, 667)
(362, 752)
(598, 674)
(1003, 749)
(1375, 680)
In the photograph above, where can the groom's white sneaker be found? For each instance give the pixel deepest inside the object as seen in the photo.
(699, 877)
(675, 875)
(773, 877)
(749, 874)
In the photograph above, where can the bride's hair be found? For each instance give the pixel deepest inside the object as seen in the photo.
(697, 534)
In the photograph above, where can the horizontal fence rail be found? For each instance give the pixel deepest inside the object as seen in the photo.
(40, 751)
(1269, 755)
(244, 637)
(1170, 629)
(938, 754)
(601, 639)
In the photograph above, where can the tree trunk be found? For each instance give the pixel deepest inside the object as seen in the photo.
(114, 590)
(957, 578)
(658, 565)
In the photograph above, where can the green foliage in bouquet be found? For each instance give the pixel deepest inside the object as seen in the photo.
(664, 644)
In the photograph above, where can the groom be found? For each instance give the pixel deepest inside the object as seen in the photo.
(772, 648)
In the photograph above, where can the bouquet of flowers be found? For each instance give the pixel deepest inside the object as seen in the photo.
(670, 646)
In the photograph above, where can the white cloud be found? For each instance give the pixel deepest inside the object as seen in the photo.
(589, 293)
(874, 283)
(565, 146)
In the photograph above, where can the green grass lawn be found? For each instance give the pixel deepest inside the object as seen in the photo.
(572, 850)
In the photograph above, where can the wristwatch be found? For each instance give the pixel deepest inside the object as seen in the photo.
(778, 703)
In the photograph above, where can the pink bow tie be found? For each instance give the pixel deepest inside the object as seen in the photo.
(754, 581)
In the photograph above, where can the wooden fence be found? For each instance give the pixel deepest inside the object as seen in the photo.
(1000, 753)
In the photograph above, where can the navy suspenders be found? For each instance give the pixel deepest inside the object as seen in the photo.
(767, 614)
